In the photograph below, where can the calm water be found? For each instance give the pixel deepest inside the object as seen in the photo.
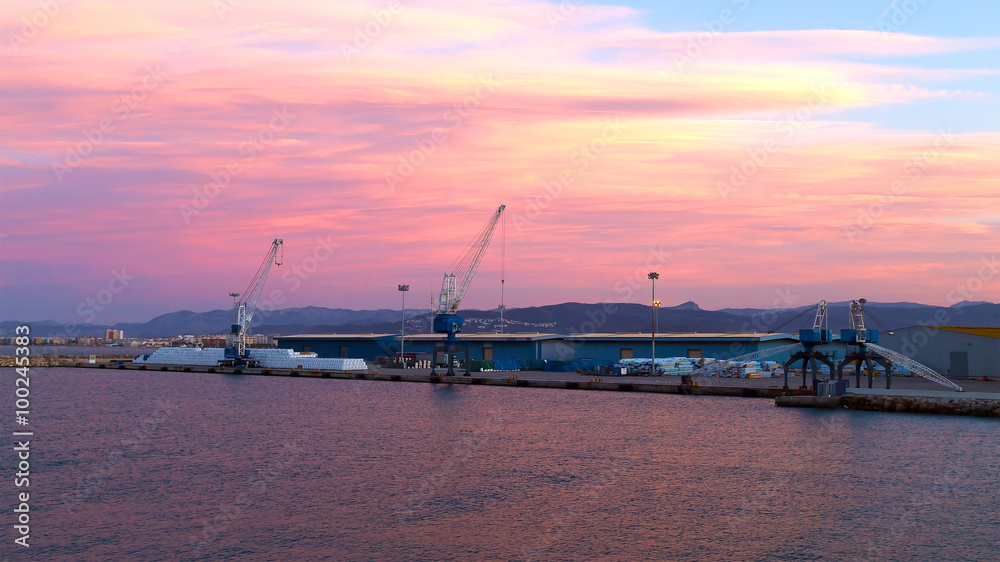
(78, 350)
(229, 467)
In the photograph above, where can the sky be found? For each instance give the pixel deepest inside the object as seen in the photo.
(753, 153)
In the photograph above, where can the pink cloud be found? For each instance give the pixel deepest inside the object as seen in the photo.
(651, 181)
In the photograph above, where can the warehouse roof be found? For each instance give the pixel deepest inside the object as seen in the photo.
(974, 330)
(538, 336)
(338, 336)
(681, 336)
(488, 336)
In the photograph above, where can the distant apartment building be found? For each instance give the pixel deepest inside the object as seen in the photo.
(258, 340)
(114, 335)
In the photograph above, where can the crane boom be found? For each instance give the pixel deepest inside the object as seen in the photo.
(457, 280)
(858, 319)
(820, 315)
(246, 308)
(464, 268)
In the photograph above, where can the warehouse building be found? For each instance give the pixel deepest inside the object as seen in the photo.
(373, 346)
(957, 352)
(540, 346)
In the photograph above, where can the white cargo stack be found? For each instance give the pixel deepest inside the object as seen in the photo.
(288, 359)
(269, 358)
(673, 366)
(668, 366)
(206, 357)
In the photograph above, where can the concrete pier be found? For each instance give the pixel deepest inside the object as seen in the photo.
(921, 397)
(568, 381)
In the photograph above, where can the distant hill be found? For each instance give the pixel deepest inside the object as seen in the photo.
(568, 317)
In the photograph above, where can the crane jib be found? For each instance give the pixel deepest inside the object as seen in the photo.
(246, 308)
(457, 280)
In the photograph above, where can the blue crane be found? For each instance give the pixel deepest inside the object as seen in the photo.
(866, 350)
(456, 282)
(243, 310)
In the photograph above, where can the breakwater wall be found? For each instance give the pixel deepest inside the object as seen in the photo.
(924, 405)
(957, 406)
(59, 360)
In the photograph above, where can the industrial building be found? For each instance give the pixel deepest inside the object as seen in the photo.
(539, 346)
(956, 352)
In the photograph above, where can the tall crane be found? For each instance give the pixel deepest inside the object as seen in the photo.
(868, 351)
(456, 282)
(804, 351)
(863, 354)
(809, 355)
(243, 310)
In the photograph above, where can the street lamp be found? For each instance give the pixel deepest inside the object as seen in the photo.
(402, 322)
(653, 276)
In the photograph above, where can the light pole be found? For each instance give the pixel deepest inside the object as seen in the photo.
(653, 276)
(402, 322)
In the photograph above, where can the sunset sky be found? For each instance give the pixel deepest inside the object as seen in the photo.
(744, 149)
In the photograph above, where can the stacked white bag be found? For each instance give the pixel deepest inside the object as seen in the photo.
(270, 358)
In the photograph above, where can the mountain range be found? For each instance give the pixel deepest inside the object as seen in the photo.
(562, 318)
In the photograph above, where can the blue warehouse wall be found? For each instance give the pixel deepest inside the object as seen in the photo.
(611, 350)
(501, 349)
(602, 350)
(367, 349)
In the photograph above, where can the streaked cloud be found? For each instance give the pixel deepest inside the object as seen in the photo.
(420, 73)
